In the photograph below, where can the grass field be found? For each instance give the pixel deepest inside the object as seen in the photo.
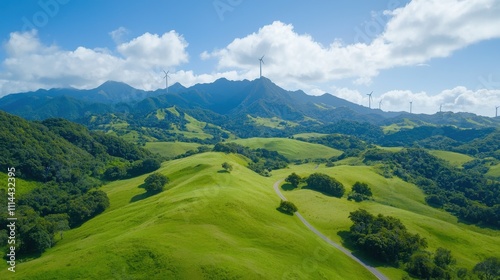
(309, 135)
(22, 186)
(174, 111)
(469, 244)
(208, 224)
(272, 122)
(171, 149)
(455, 159)
(391, 149)
(494, 171)
(291, 149)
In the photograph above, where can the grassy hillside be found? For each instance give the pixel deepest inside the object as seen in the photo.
(394, 197)
(273, 122)
(22, 186)
(455, 159)
(309, 135)
(291, 149)
(170, 149)
(208, 224)
(494, 171)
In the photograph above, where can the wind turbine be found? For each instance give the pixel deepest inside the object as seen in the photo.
(166, 78)
(411, 105)
(370, 100)
(261, 61)
(440, 108)
(496, 111)
(380, 104)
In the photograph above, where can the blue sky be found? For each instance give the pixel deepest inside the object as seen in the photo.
(430, 52)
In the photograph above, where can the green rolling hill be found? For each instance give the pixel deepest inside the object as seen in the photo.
(171, 149)
(207, 225)
(291, 149)
(469, 244)
(214, 224)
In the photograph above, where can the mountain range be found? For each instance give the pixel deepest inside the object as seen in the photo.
(234, 99)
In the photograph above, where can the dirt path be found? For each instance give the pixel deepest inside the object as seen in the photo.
(372, 269)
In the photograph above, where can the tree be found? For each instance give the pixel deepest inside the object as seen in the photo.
(287, 207)
(293, 179)
(155, 182)
(420, 265)
(362, 188)
(326, 184)
(60, 223)
(360, 192)
(228, 167)
(488, 269)
(443, 258)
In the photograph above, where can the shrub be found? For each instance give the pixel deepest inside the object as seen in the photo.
(287, 207)
(488, 269)
(360, 192)
(228, 167)
(155, 182)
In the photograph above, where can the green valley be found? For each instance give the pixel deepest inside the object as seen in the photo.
(180, 185)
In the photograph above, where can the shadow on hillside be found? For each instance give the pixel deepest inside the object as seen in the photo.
(366, 259)
(482, 226)
(25, 257)
(141, 196)
(223, 171)
(287, 187)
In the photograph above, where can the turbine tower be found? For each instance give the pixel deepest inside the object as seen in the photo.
(370, 100)
(411, 106)
(166, 79)
(380, 104)
(440, 108)
(496, 111)
(261, 61)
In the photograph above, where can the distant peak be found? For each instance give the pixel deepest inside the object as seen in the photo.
(110, 82)
(114, 85)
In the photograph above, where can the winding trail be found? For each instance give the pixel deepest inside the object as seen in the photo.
(372, 269)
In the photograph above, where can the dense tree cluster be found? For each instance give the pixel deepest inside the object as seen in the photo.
(465, 193)
(350, 145)
(384, 237)
(409, 137)
(69, 161)
(293, 179)
(263, 160)
(425, 265)
(325, 184)
(489, 269)
(362, 130)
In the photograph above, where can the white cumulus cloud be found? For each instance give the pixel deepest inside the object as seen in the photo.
(413, 35)
(458, 99)
(31, 65)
